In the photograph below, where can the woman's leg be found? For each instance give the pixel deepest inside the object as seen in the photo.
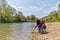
(39, 31)
(43, 31)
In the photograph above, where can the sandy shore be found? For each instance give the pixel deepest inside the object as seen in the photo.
(53, 30)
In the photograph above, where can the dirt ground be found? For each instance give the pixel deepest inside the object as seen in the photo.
(53, 30)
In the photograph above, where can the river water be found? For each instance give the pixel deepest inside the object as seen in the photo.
(16, 31)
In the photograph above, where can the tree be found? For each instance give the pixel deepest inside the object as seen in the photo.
(58, 6)
(28, 18)
(33, 17)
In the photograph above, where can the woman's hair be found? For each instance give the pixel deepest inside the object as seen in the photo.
(37, 21)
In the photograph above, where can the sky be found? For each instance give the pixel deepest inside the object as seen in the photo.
(39, 8)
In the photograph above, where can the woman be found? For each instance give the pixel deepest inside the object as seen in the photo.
(41, 26)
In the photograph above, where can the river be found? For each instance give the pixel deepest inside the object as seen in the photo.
(16, 31)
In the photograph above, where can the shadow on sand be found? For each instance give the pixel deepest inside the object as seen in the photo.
(45, 33)
(40, 33)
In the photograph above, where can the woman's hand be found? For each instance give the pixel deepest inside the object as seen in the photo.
(35, 27)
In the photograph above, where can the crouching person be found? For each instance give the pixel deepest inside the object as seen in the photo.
(43, 31)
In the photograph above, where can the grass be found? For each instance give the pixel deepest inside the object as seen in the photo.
(5, 25)
(32, 32)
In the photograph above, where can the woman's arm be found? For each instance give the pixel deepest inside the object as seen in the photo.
(35, 26)
(43, 25)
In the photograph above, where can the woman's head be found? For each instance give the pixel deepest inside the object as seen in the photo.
(38, 21)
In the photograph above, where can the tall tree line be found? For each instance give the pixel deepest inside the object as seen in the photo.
(9, 14)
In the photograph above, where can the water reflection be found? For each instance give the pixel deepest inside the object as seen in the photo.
(16, 31)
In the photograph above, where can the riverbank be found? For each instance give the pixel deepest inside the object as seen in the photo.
(53, 30)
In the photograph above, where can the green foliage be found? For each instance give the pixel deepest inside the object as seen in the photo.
(6, 15)
(9, 14)
(33, 17)
(28, 18)
(58, 6)
(17, 18)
